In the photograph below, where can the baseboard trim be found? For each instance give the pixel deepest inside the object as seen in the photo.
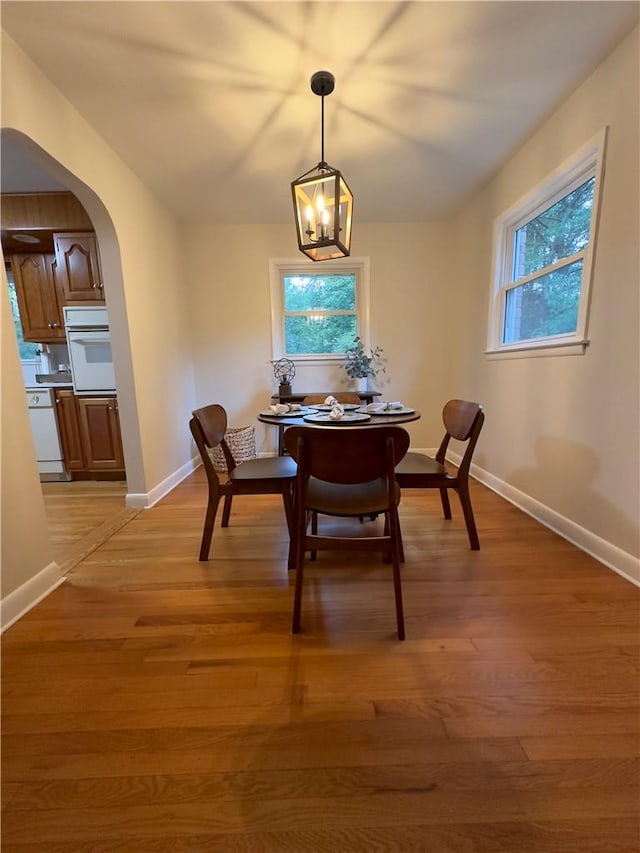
(21, 600)
(142, 500)
(621, 562)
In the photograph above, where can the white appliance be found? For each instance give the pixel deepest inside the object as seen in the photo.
(44, 429)
(89, 344)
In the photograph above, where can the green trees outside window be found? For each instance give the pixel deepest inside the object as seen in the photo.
(545, 251)
(28, 351)
(320, 313)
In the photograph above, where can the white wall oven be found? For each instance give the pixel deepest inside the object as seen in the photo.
(89, 343)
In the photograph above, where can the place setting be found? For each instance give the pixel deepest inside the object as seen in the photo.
(333, 412)
(286, 410)
(386, 408)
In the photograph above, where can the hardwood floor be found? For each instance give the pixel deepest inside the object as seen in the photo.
(81, 515)
(153, 703)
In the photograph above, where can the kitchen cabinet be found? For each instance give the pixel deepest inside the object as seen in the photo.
(90, 435)
(79, 269)
(40, 297)
(69, 429)
(100, 433)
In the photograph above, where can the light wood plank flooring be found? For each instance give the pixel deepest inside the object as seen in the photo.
(81, 515)
(153, 703)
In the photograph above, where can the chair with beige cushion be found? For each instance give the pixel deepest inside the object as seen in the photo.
(347, 472)
(269, 476)
(462, 421)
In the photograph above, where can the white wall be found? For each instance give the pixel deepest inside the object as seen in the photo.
(228, 273)
(26, 550)
(565, 430)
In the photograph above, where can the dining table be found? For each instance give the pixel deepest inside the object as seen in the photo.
(307, 416)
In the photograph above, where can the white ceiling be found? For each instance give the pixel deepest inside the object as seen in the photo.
(209, 102)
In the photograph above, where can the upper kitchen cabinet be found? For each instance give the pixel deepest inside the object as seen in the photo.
(78, 267)
(40, 298)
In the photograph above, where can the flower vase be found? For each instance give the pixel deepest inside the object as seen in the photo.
(362, 384)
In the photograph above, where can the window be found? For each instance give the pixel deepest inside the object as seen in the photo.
(317, 310)
(543, 258)
(28, 351)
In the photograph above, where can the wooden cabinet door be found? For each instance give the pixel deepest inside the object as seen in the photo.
(100, 431)
(39, 297)
(69, 429)
(79, 267)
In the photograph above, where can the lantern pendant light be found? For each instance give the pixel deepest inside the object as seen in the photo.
(322, 200)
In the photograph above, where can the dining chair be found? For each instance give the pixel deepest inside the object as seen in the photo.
(346, 472)
(268, 476)
(341, 397)
(463, 421)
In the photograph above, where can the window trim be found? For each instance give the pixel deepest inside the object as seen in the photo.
(588, 161)
(279, 267)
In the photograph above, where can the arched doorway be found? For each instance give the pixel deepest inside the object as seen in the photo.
(27, 168)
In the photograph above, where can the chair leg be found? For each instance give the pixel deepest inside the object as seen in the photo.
(469, 520)
(287, 500)
(392, 528)
(400, 546)
(446, 506)
(385, 532)
(226, 510)
(207, 533)
(314, 531)
(299, 566)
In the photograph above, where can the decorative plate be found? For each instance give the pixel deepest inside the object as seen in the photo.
(387, 412)
(268, 413)
(323, 407)
(347, 418)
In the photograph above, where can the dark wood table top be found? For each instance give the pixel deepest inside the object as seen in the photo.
(374, 421)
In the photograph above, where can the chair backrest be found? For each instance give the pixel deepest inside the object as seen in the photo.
(463, 421)
(208, 426)
(346, 454)
(341, 397)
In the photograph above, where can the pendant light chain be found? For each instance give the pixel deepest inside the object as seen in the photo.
(322, 130)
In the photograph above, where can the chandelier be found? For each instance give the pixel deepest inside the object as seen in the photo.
(322, 200)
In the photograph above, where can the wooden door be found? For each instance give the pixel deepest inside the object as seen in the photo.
(79, 267)
(100, 431)
(69, 429)
(39, 297)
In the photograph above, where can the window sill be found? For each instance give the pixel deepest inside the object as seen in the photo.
(538, 351)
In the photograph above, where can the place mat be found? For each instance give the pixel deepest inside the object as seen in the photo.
(347, 418)
(324, 407)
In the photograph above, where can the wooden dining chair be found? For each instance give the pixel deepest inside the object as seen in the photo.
(341, 397)
(348, 472)
(463, 421)
(269, 476)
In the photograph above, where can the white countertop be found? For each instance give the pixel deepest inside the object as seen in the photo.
(38, 386)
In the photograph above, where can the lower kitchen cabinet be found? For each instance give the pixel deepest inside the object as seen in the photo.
(69, 429)
(100, 433)
(90, 434)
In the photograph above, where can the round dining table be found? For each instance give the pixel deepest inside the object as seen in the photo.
(374, 420)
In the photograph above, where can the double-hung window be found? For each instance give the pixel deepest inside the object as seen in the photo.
(318, 309)
(543, 259)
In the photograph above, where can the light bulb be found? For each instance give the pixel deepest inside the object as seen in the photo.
(320, 203)
(309, 214)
